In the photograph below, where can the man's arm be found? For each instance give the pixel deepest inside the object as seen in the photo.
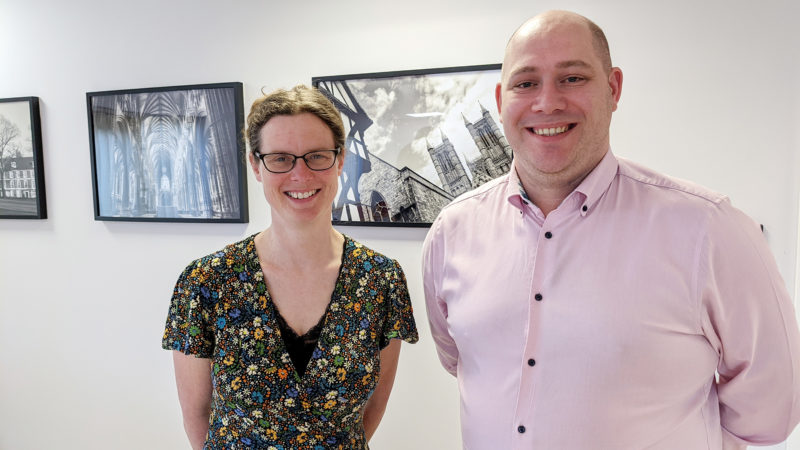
(193, 377)
(750, 321)
(432, 268)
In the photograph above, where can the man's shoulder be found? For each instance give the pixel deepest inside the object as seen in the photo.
(666, 185)
(490, 191)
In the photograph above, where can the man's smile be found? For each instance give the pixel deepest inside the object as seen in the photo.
(551, 131)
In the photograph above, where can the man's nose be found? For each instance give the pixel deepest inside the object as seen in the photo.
(550, 99)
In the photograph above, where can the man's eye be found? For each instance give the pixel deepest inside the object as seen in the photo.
(318, 156)
(278, 158)
(574, 79)
(525, 85)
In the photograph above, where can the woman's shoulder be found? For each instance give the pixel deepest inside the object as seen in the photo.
(231, 258)
(360, 253)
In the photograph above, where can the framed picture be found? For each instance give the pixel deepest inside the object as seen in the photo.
(168, 154)
(22, 193)
(415, 140)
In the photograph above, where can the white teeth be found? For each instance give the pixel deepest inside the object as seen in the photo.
(301, 195)
(550, 131)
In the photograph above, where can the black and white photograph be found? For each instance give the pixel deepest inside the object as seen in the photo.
(169, 154)
(415, 140)
(22, 194)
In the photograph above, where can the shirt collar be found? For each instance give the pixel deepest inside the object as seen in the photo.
(591, 188)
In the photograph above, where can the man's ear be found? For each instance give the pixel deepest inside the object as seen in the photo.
(498, 97)
(615, 83)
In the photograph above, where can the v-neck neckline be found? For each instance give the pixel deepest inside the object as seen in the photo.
(273, 309)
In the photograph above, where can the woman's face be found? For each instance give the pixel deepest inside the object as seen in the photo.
(301, 195)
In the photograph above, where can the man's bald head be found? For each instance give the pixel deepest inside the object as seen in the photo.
(549, 19)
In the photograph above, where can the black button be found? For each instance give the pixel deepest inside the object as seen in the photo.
(521, 429)
(531, 362)
(548, 235)
(585, 208)
(538, 297)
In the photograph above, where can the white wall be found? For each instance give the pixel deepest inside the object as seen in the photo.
(710, 94)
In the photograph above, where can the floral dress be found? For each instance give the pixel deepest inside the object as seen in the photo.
(221, 310)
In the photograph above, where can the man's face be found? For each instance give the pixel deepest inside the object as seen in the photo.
(555, 102)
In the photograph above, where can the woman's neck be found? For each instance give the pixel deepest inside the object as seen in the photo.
(300, 247)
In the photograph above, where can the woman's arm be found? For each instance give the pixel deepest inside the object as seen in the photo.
(193, 377)
(376, 405)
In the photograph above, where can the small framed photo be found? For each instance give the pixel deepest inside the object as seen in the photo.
(22, 194)
(415, 140)
(169, 154)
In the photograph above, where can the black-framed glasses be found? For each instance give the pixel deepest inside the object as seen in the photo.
(318, 160)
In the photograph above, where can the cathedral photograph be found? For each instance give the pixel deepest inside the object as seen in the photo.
(415, 141)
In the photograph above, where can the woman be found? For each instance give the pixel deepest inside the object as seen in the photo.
(289, 338)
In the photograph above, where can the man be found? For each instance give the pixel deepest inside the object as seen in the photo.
(586, 302)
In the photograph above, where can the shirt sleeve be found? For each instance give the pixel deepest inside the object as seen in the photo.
(749, 319)
(432, 270)
(188, 328)
(400, 322)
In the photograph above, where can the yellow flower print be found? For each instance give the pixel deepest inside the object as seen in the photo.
(259, 333)
(236, 383)
(341, 374)
(302, 437)
(271, 434)
(228, 360)
(330, 404)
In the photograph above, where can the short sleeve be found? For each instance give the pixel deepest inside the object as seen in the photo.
(399, 323)
(189, 327)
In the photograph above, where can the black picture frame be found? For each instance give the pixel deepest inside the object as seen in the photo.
(416, 139)
(22, 191)
(169, 154)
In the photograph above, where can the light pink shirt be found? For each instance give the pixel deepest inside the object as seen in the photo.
(601, 326)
